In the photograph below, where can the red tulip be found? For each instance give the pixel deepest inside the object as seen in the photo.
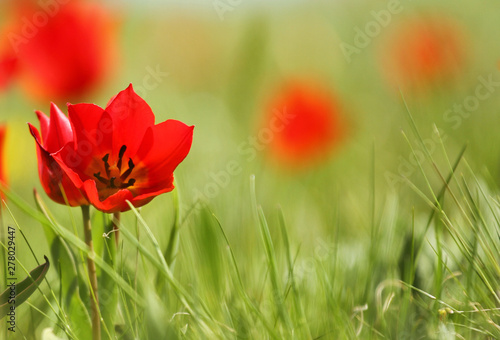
(118, 154)
(64, 50)
(56, 132)
(312, 127)
(423, 52)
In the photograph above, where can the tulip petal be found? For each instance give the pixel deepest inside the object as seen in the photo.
(166, 185)
(114, 203)
(132, 116)
(59, 130)
(71, 163)
(53, 178)
(93, 129)
(44, 123)
(164, 146)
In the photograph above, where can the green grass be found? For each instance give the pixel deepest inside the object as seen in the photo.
(426, 273)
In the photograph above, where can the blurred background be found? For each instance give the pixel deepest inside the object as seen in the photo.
(340, 69)
(309, 96)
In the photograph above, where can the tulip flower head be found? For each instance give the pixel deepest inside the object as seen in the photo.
(118, 154)
(313, 126)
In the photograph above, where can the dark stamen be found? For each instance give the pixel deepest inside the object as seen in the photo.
(116, 182)
(106, 164)
(100, 178)
(128, 184)
(112, 182)
(120, 156)
(127, 173)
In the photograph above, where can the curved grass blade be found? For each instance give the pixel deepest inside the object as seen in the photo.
(23, 289)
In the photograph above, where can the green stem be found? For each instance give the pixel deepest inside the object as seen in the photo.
(116, 230)
(94, 298)
(173, 243)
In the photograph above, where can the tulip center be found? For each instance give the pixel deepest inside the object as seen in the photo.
(116, 178)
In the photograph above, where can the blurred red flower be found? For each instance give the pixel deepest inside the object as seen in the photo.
(312, 125)
(56, 132)
(62, 51)
(118, 154)
(7, 69)
(423, 51)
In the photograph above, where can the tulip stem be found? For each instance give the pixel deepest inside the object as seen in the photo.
(116, 224)
(94, 298)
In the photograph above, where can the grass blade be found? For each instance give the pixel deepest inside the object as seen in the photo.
(23, 289)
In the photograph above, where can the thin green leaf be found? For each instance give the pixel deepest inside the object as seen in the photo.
(23, 289)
